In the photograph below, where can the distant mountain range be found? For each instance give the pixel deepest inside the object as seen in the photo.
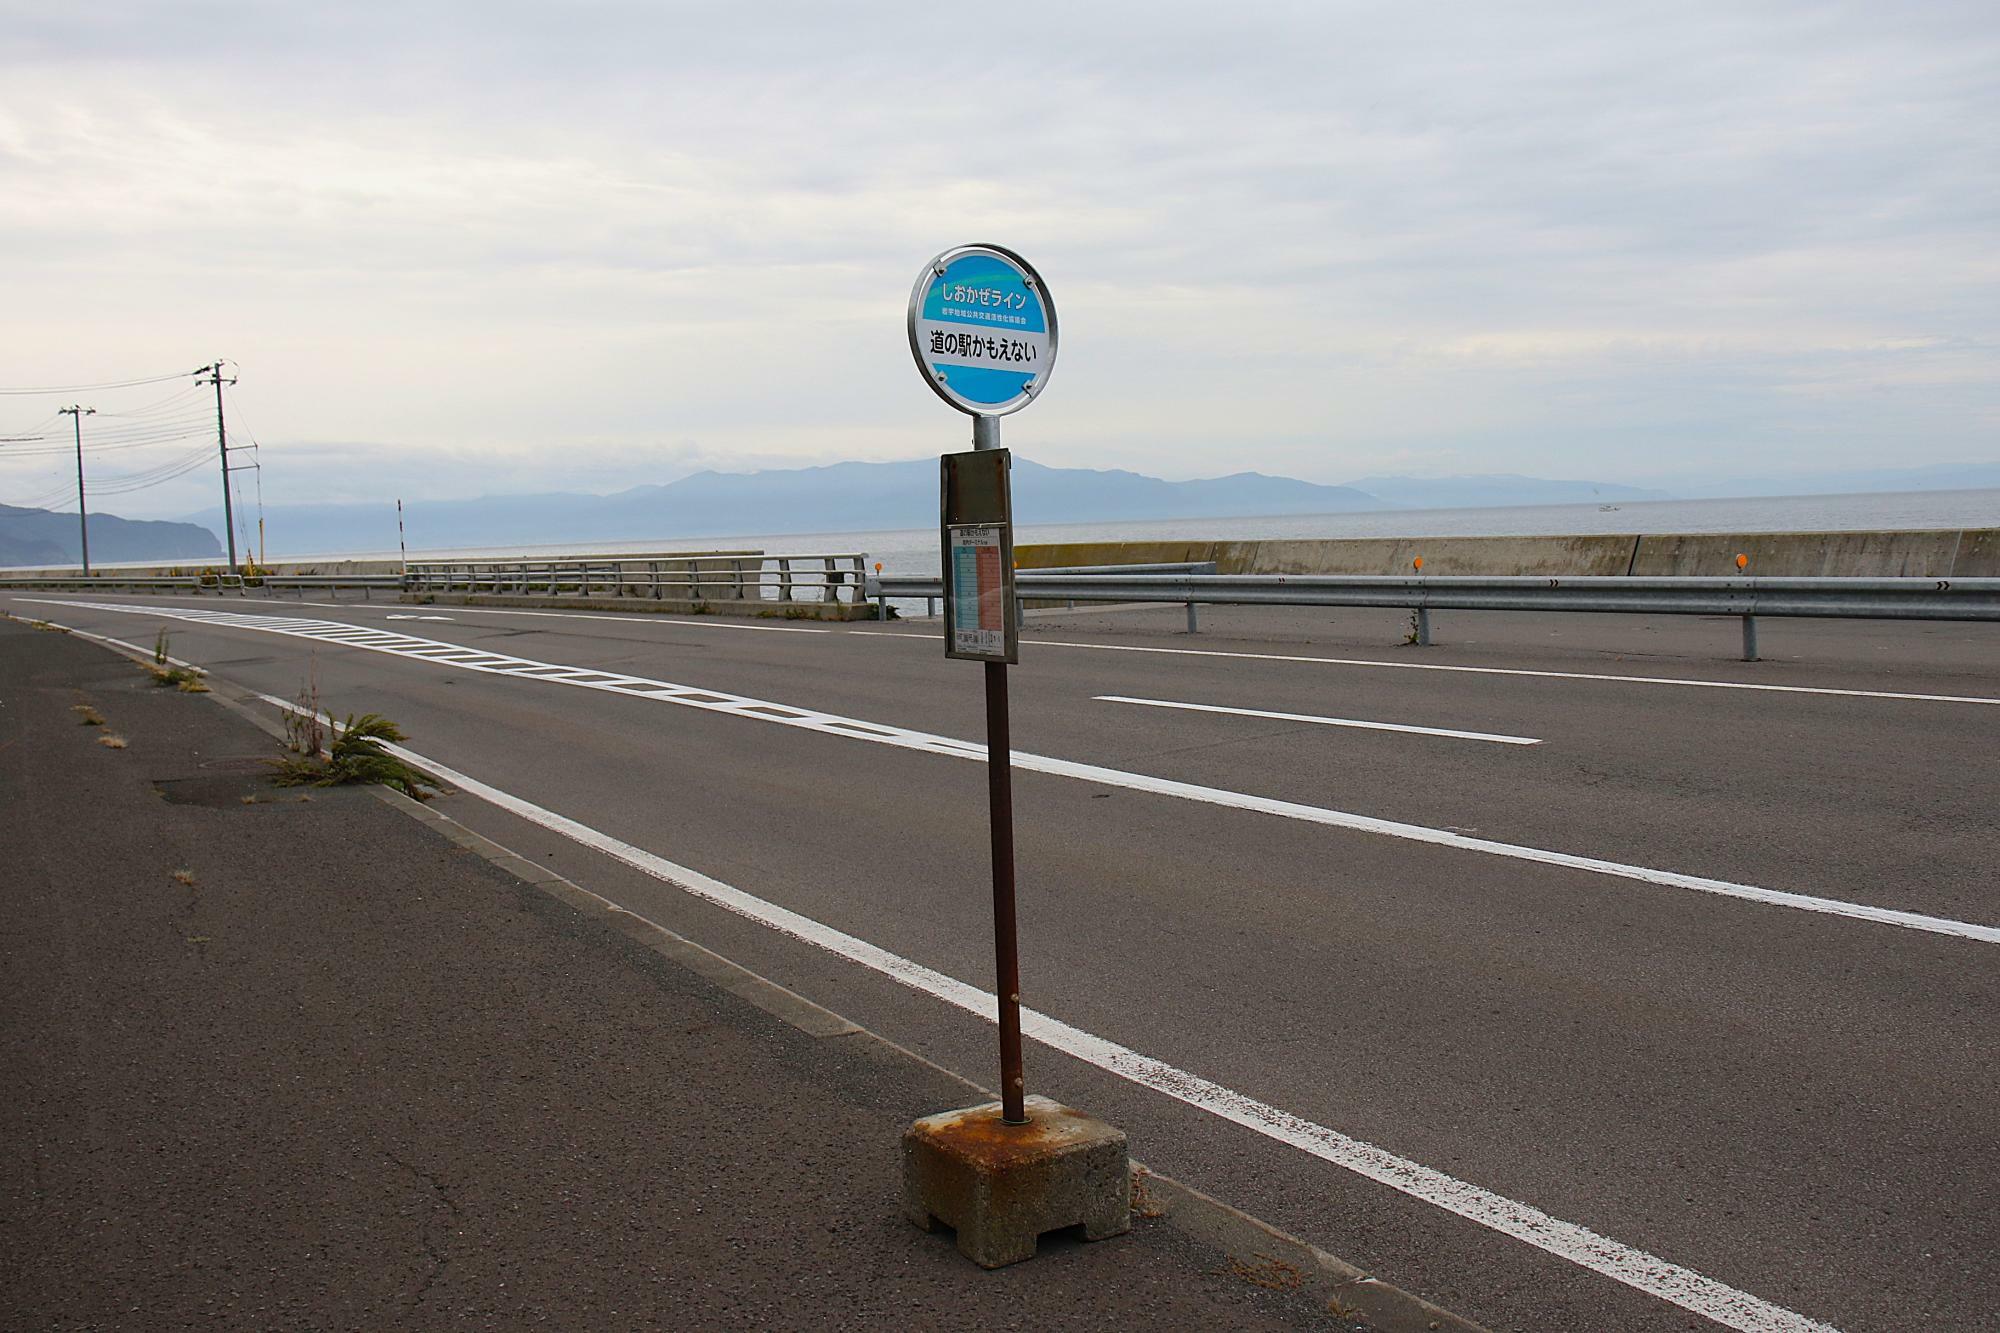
(856, 497)
(842, 497)
(41, 537)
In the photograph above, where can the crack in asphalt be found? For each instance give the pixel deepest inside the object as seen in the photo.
(437, 1256)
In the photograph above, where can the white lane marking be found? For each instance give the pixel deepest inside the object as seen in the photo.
(396, 616)
(1579, 1245)
(1495, 737)
(132, 648)
(1482, 671)
(833, 724)
(640, 620)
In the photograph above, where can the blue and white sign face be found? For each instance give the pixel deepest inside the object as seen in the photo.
(983, 329)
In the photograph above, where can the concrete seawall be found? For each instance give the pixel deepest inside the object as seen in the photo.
(1943, 553)
(1936, 553)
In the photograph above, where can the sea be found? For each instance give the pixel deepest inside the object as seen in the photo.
(915, 550)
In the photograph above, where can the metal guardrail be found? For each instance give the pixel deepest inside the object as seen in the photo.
(723, 576)
(1855, 598)
(729, 576)
(71, 582)
(240, 584)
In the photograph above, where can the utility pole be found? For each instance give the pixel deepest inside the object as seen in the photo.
(76, 415)
(214, 374)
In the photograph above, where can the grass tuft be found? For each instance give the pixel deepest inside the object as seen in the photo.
(110, 742)
(357, 756)
(182, 677)
(87, 716)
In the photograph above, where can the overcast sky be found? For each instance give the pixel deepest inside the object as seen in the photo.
(460, 248)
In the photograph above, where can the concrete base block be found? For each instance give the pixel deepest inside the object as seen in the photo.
(1001, 1186)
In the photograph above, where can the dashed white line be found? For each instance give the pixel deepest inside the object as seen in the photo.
(1480, 671)
(1404, 727)
(1684, 1287)
(832, 724)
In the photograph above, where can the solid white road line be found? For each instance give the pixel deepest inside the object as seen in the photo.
(882, 733)
(1579, 1245)
(1323, 721)
(1480, 671)
(636, 620)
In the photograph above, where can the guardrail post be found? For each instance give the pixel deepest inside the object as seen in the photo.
(1749, 638)
(1423, 627)
(1190, 605)
(881, 606)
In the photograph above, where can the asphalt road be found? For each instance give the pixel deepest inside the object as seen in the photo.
(1790, 1103)
(292, 1059)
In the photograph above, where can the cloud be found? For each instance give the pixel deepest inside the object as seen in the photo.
(536, 247)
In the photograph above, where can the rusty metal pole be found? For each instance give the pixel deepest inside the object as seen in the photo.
(1006, 943)
(1000, 802)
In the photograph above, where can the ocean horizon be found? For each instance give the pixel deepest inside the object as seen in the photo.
(915, 550)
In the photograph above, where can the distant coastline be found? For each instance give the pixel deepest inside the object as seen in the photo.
(915, 549)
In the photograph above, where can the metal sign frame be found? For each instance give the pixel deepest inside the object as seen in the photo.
(977, 514)
(939, 381)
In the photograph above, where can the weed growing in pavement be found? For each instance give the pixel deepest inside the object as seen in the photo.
(110, 742)
(305, 732)
(1410, 638)
(357, 756)
(87, 716)
(184, 877)
(187, 679)
(165, 672)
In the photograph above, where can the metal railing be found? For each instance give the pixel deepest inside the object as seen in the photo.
(241, 584)
(727, 576)
(788, 579)
(1748, 598)
(75, 582)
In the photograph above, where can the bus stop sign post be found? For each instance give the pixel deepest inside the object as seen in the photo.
(983, 332)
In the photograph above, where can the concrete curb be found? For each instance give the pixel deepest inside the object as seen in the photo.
(1257, 1252)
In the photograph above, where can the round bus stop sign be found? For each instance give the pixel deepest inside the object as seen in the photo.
(983, 329)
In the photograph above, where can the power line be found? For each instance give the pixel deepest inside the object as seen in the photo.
(97, 388)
